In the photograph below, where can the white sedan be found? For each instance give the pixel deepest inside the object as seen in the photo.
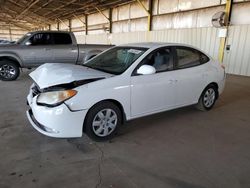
(122, 83)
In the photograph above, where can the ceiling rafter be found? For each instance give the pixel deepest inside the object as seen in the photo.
(62, 6)
(35, 14)
(27, 8)
(31, 20)
(62, 13)
(44, 5)
(16, 24)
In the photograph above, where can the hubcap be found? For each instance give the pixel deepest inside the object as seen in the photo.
(209, 97)
(105, 122)
(7, 71)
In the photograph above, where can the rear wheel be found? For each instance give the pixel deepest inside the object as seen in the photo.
(207, 98)
(9, 70)
(103, 121)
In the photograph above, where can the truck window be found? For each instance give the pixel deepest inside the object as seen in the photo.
(62, 38)
(41, 39)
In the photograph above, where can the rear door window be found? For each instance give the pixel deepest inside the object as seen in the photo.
(189, 57)
(62, 38)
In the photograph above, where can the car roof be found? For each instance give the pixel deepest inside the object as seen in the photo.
(51, 31)
(154, 44)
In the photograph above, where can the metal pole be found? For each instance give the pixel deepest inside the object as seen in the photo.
(86, 24)
(228, 11)
(149, 12)
(110, 20)
(10, 33)
(70, 25)
(58, 27)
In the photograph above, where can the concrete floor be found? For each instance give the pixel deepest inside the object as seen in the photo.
(184, 148)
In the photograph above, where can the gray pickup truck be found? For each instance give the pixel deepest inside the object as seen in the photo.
(39, 47)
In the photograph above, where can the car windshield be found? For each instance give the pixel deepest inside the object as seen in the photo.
(116, 60)
(23, 38)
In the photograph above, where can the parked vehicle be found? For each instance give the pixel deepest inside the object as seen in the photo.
(120, 84)
(3, 42)
(37, 48)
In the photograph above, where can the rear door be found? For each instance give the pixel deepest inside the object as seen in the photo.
(64, 51)
(190, 75)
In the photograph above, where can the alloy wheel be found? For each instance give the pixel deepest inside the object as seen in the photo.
(104, 122)
(7, 71)
(209, 98)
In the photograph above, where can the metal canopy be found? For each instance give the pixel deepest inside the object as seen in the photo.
(33, 14)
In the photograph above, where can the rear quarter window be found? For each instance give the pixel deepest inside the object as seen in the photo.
(189, 57)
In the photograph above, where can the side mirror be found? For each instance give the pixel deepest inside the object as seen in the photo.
(146, 69)
(28, 43)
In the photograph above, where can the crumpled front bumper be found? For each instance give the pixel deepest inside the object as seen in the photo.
(58, 121)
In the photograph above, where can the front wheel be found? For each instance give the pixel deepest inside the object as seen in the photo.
(102, 121)
(8, 70)
(207, 98)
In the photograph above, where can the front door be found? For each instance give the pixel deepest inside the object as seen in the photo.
(38, 52)
(155, 92)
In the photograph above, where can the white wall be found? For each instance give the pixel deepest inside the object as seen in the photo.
(237, 59)
(185, 21)
(16, 33)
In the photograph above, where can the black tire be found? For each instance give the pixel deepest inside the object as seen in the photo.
(207, 98)
(93, 116)
(9, 70)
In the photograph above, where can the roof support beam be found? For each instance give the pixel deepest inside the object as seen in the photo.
(107, 18)
(86, 24)
(148, 11)
(70, 25)
(10, 33)
(110, 20)
(101, 13)
(79, 19)
(57, 26)
(63, 23)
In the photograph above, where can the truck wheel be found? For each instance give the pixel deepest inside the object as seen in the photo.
(9, 70)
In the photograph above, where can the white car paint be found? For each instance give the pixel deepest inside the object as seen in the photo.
(138, 95)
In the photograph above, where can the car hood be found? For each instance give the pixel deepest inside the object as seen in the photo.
(52, 74)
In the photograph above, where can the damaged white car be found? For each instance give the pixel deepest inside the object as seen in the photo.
(122, 83)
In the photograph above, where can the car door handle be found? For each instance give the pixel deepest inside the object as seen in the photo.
(47, 49)
(172, 81)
